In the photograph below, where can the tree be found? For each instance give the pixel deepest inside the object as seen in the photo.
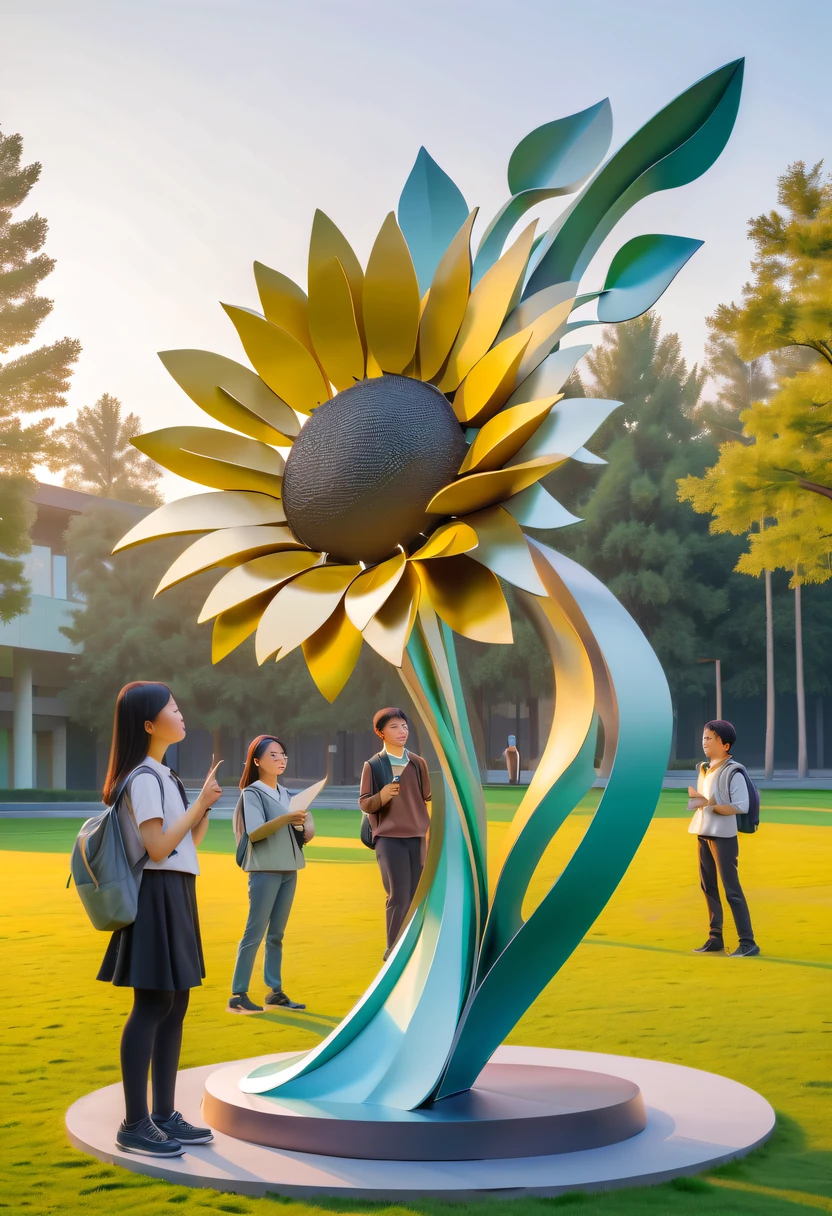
(788, 302)
(735, 383)
(649, 550)
(31, 384)
(749, 491)
(95, 454)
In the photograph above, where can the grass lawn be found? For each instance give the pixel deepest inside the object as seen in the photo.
(632, 987)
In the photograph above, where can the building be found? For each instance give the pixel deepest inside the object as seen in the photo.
(39, 748)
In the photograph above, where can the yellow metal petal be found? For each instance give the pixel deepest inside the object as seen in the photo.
(486, 310)
(215, 458)
(373, 369)
(372, 588)
(253, 578)
(449, 540)
(447, 299)
(390, 628)
(233, 627)
(286, 366)
(479, 490)
(502, 549)
(327, 242)
(284, 303)
(505, 435)
(467, 597)
(232, 394)
(543, 333)
(332, 652)
(301, 608)
(203, 513)
(333, 325)
(227, 545)
(489, 383)
(391, 299)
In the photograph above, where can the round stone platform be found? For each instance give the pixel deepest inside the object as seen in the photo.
(694, 1120)
(514, 1110)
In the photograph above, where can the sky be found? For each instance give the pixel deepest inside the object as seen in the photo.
(182, 140)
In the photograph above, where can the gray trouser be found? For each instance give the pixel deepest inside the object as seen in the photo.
(270, 895)
(721, 853)
(401, 860)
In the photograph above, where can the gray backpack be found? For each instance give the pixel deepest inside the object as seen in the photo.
(107, 863)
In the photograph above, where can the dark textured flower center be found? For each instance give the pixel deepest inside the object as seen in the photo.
(365, 466)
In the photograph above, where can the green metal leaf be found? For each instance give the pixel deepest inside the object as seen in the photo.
(431, 213)
(552, 160)
(560, 155)
(673, 148)
(640, 273)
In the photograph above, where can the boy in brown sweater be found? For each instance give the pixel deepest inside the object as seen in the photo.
(395, 792)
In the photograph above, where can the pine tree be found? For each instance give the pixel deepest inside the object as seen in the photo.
(33, 383)
(95, 454)
(636, 537)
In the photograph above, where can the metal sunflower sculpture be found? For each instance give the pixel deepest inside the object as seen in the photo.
(421, 402)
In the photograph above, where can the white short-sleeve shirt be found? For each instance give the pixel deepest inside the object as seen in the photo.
(145, 802)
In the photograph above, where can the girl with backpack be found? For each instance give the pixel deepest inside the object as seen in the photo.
(394, 796)
(159, 955)
(270, 838)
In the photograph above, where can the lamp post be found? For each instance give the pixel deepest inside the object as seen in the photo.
(718, 667)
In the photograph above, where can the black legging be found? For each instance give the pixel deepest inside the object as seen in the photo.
(152, 1035)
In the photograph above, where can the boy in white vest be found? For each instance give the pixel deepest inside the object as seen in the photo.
(720, 795)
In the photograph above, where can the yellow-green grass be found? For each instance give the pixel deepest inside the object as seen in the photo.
(633, 987)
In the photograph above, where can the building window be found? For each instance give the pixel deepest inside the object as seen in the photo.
(59, 587)
(37, 566)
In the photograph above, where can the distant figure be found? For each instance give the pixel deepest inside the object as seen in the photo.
(720, 795)
(512, 756)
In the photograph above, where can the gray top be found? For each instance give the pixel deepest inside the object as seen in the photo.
(142, 798)
(280, 851)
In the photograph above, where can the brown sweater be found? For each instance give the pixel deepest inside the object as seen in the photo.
(406, 813)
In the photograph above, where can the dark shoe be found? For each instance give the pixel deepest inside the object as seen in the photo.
(714, 945)
(240, 1003)
(148, 1140)
(179, 1129)
(280, 998)
(749, 950)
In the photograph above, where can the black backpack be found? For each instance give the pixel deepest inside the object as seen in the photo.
(382, 771)
(750, 820)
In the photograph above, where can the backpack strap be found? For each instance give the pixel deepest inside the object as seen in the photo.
(382, 771)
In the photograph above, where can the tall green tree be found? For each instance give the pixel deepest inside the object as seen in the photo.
(649, 549)
(34, 383)
(95, 455)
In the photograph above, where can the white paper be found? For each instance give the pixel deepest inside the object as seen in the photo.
(303, 800)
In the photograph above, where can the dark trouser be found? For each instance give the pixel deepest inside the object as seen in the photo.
(721, 853)
(152, 1034)
(401, 860)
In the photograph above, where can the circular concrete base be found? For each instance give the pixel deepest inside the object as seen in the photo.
(694, 1120)
(513, 1110)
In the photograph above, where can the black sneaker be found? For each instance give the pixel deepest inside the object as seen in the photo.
(240, 1003)
(714, 945)
(179, 1129)
(276, 997)
(747, 950)
(148, 1140)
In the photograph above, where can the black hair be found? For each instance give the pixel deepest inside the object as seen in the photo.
(383, 716)
(137, 703)
(255, 751)
(723, 730)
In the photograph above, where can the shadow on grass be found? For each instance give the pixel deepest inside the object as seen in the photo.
(316, 1023)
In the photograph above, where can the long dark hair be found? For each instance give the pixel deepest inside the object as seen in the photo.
(137, 703)
(255, 751)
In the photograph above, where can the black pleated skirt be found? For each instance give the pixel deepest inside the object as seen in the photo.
(162, 949)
